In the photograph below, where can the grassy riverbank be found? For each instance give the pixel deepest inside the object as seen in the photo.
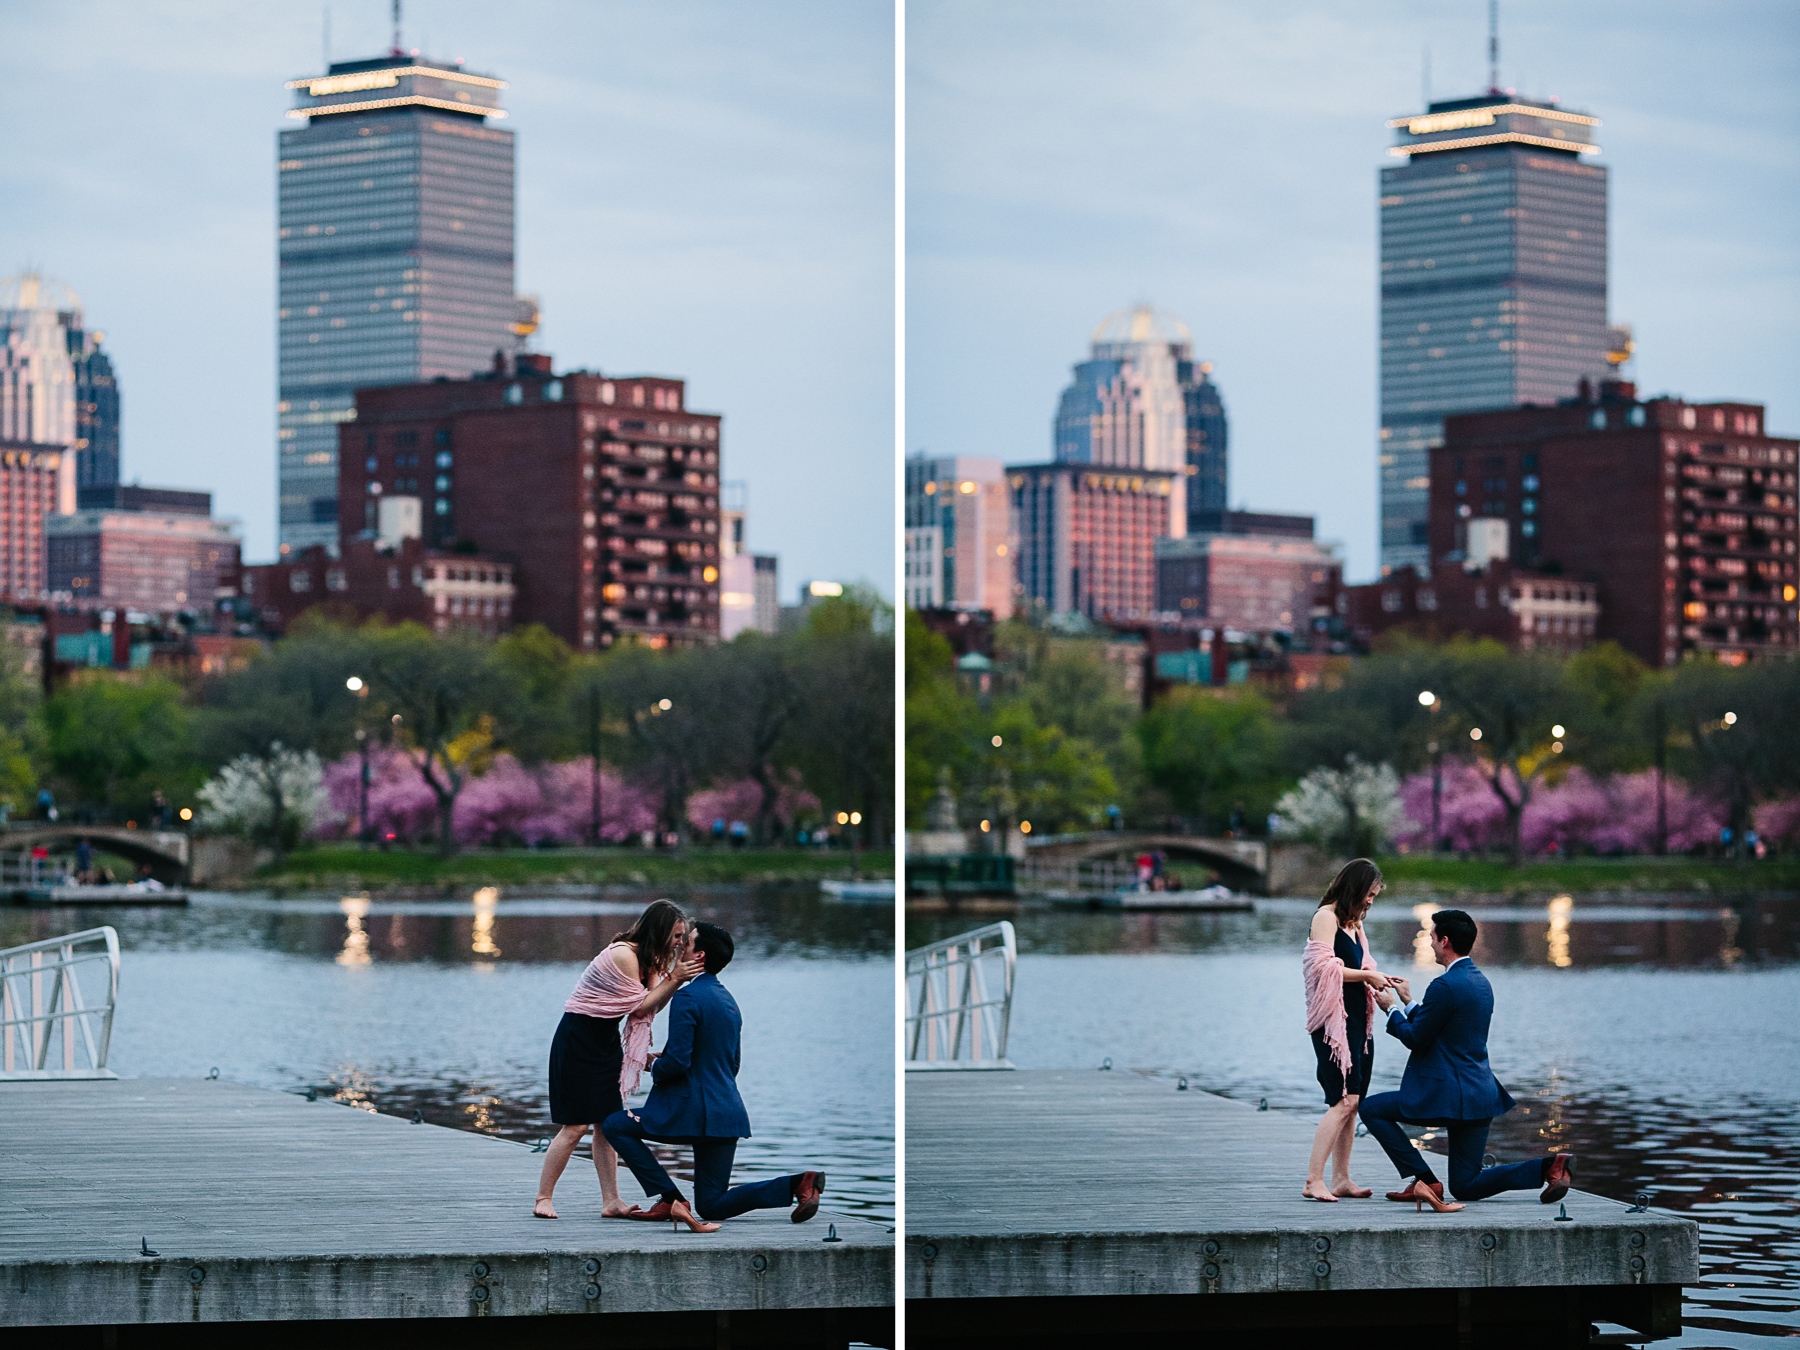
(372, 870)
(1413, 875)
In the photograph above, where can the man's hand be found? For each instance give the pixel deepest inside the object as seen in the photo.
(1386, 999)
(1401, 983)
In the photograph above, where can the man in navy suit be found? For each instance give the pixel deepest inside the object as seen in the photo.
(1448, 1082)
(694, 1100)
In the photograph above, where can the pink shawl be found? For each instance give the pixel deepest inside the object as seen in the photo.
(1325, 998)
(607, 991)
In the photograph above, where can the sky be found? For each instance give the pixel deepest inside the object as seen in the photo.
(705, 190)
(1219, 160)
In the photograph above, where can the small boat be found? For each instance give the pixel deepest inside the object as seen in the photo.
(859, 892)
(132, 893)
(1212, 900)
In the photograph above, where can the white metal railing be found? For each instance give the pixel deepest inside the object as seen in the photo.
(21, 871)
(959, 1000)
(40, 995)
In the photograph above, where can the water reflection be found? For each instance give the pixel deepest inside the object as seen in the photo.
(356, 941)
(487, 899)
(1558, 936)
(1627, 930)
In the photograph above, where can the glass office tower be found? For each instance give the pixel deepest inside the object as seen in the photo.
(396, 255)
(1493, 282)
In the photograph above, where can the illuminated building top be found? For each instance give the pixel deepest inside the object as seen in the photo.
(395, 82)
(1494, 119)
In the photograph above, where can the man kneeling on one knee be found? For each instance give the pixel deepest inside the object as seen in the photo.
(694, 1101)
(1449, 1084)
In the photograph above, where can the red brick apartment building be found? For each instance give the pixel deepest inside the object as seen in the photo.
(1683, 515)
(603, 492)
(30, 489)
(1087, 537)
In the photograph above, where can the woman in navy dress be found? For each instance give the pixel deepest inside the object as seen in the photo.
(1337, 952)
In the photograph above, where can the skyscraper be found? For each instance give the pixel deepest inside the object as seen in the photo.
(396, 255)
(1493, 282)
(40, 325)
(1206, 440)
(96, 410)
(1126, 408)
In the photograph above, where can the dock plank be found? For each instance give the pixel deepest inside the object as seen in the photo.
(296, 1209)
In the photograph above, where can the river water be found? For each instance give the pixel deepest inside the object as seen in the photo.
(1657, 1037)
(448, 1008)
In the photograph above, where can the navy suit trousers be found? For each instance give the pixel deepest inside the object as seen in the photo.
(1469, 1180)
(714, 1195)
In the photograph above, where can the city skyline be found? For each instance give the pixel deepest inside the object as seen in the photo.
(1246, 203)
(733, 228)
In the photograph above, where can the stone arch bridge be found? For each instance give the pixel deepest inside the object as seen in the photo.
(165, 850)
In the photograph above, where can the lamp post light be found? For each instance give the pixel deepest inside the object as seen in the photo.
(357, 686)
(1427, 699)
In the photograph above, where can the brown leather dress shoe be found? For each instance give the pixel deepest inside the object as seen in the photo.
(807, 1193)
(1559, 1178)
(1407, 1193)
(655, 1214)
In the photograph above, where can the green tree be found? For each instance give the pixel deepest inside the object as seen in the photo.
(543, 717)
(116, 740)
(1038, 773)
(1736, 734)
(1207, 750)
(942, 723)
(1607, 732)
(844, 735)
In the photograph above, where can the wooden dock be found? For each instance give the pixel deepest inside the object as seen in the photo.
(263, 1207)
(1050, 1207)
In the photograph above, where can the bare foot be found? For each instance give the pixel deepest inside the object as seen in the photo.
(1350, 1190)
(543, 1209)
(1316, 1190)
(619, 1210)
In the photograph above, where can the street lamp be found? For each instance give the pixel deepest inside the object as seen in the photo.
(356, 685)
(1427, 699)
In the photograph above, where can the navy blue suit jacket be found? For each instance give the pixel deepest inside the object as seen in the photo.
(694, 1093)
(1447, 1076)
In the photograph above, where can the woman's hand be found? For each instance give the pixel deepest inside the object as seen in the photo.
(690, 967)
(1377, 981)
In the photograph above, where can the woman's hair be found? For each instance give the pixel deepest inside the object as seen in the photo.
(653, 936)
(1349, 889)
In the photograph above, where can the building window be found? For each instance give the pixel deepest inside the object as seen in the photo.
(441, 436)
(444, 459)
(335, 580)
(515, 393)
(1462, 488)
(553, 391)
(606, 391)
(1529, 505)
(1635, 417)
(1391, 601)
(1531, 482)
(1528, 529)
(441, 506)
(443, 482)
(371, 464)
(299, 581)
